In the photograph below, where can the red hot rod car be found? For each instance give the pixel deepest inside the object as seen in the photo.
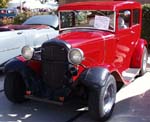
(99, 47)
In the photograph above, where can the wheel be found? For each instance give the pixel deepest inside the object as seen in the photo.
(102, 100)
(14, 87)
(144, 61)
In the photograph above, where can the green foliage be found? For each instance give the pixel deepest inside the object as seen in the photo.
(20, 18)
(146, 22)
(3, 3)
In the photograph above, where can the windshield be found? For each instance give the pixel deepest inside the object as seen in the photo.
(103, 20)
(50, 20)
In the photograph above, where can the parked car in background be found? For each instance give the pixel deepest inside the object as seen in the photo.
(34, 5)
(34, 31)
(8, 12)
(98, 48)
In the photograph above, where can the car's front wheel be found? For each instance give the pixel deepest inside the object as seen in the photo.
(102, 100)
(14, 87)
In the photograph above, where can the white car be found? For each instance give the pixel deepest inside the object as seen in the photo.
(32, 32)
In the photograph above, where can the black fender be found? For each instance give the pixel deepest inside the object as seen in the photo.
(16, 65)
(95, 77)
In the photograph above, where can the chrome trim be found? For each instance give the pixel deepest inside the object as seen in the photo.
(4, 50)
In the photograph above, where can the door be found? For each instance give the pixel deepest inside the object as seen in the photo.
(136, 24)
(124, 40)
(11, 43)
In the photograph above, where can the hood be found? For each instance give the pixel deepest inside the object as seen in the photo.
(76, 38)
(90, 41)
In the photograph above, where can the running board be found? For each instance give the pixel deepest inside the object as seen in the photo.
(130, 74)
(43, 100)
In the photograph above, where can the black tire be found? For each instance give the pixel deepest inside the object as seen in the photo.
(14, 87)
(97, 99)
(144, 61)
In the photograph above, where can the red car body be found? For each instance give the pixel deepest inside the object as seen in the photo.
(117, 50)
(90, 61)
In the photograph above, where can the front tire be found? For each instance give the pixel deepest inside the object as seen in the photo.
(102, 100)
(14, 87)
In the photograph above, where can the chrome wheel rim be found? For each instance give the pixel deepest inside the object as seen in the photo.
(144, 65)
(109, 98)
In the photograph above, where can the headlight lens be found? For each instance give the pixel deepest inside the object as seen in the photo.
(27, 52)
(75, 56)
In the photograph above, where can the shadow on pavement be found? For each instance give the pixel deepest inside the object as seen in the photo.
(33, 111)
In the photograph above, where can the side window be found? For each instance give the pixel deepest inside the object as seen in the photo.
(136, 16)
(124, 19)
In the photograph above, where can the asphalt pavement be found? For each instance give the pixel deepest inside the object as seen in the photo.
(1, 81)
(132, 105)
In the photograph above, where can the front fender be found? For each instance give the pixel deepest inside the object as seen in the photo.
(138, 53)
(16, 65)
(95, 77)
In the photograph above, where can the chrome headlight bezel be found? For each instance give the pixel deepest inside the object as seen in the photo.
(27, 52)
(75, 56)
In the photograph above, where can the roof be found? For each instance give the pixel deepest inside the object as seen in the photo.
(100, 5)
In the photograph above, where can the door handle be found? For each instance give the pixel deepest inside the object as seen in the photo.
(19, 33)
(132, 32)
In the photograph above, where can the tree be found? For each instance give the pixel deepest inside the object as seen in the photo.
(3, 3)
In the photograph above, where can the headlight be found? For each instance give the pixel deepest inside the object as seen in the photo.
(27, 52)
(75, 56)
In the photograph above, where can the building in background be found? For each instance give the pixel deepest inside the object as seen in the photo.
(33, 4)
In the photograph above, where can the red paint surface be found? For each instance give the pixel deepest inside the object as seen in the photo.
(113, 50)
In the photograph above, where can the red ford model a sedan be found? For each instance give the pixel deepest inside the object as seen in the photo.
(99, 47)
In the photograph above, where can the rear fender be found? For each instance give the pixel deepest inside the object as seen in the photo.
(137, 54)
(95, 77)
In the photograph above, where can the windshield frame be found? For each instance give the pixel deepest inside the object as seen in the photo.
(71, 28)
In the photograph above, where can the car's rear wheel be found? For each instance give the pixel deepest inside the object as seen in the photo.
(14, 87)
(101, 101)
(144, 61)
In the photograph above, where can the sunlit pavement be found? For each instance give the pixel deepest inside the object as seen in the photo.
(132, 105)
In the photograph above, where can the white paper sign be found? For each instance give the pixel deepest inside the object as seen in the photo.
(101, 22)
